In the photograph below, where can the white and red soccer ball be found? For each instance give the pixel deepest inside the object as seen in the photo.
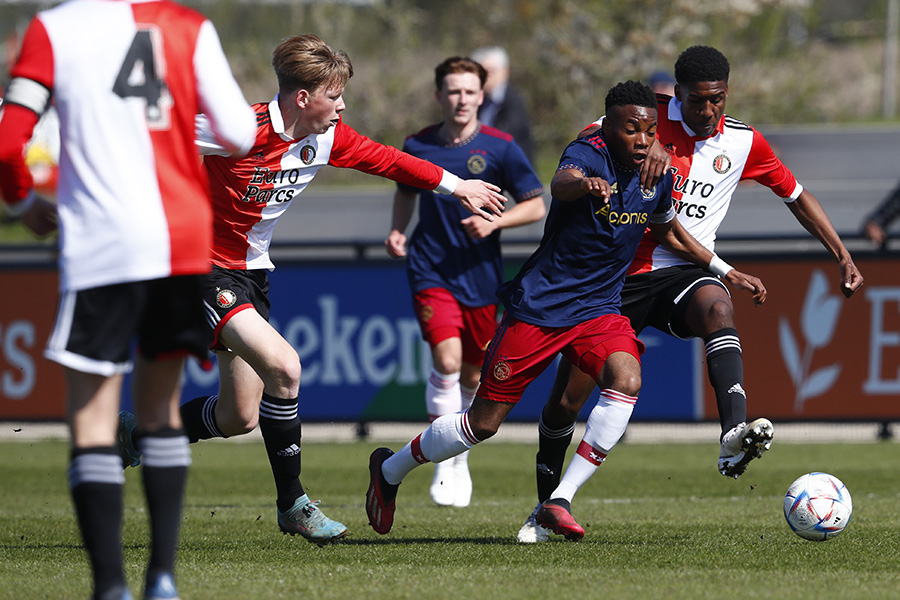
(817, 506)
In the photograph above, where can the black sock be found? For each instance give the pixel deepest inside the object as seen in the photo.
(280, 427)
(96, 481)
(552, 446)
(166, 460)
(199, 418)
(725, 367)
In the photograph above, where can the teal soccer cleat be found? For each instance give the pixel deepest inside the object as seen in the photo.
(308, 520)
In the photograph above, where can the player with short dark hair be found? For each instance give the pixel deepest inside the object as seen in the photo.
(710, 154)
(564, 299)
(300, 131)
(127, 79)
(701, 63)
(454, 260)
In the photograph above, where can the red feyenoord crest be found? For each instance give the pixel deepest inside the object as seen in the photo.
(225, 298)
(721, 164)
(307, 154)
(502, 370)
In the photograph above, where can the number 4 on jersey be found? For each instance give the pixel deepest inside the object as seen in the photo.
(141, 76)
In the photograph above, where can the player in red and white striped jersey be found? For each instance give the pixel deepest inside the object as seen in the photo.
(126, 78)
(710, 154)
(298, 133)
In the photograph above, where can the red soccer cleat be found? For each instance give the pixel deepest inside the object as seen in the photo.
(554, 515)
(381, 495)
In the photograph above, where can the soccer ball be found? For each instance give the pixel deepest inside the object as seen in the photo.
(817, 506)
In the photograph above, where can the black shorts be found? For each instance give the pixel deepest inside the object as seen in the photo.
(228, 292)
(660, 298)
(96, 328)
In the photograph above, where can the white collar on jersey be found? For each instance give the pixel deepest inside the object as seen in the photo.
(278, 120)
(675, 115)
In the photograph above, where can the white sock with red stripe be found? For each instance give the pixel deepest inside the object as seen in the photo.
(447, 436)
(442, 394)
(467, 395)
(605, 427)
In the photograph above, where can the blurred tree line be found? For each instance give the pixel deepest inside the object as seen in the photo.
(793, 61)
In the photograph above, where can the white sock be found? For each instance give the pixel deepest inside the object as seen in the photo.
(605, 427)
(442, 394)
(467, 396)
(447, 436)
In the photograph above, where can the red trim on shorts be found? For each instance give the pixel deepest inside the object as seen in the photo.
(416, 448)
(216, 344)
(590, 454)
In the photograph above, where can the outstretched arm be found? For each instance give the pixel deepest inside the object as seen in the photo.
(812, 216)
(480, 198)
(676, 238)
(523, 213)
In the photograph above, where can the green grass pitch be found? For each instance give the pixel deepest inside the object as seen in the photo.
(661, 523)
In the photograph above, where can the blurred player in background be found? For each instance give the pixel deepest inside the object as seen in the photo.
(298, 133)
(454, 261)
(503, 107)
(876, 224)
(135, 226)
(662, 82)
(710, 154)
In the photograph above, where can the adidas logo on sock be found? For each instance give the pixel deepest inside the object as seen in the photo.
(737, 389)
(544, 469)
(292, 450)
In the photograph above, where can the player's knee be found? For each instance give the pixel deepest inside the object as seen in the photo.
(284, 375)
(627, 382)
(718, 315)
(447, 364)
(723, 309)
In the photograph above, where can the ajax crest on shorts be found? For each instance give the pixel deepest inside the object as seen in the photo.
(502, 370)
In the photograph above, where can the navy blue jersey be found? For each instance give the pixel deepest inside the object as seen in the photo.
(577, 272)
(439, 252)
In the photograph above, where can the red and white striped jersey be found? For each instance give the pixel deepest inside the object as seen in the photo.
(127, 78)
(250, 193)
(707, 172)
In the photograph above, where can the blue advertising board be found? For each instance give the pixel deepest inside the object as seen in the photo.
(363, 357)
